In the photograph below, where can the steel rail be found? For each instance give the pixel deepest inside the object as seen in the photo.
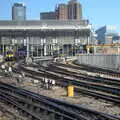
(106, 79)
(48, 104)
(12, 102)
(70, 105)
(84, 76)
(93, 69)
(59, 77)
(81, 76)
(85, 91)
(27, 103)
(10, 113)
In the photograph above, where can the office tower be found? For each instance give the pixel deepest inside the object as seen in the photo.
(74, 10)
(18, 12)
(116, 39)
(105, 34)
(62, 12)
(48, 15)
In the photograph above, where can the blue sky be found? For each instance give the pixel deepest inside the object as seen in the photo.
(99, 12)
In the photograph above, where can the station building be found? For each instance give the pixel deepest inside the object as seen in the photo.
(45, 37)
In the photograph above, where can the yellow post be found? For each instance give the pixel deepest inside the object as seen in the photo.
(70, 91)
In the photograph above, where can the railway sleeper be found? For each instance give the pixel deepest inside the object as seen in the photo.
(44, 109)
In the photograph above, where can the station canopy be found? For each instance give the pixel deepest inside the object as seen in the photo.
(48, 25)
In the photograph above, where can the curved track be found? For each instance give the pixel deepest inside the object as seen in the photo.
(87, 87)
(85, 77)
(93, 69)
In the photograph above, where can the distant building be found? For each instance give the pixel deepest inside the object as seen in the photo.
(18, 12)
(74, 10)
(62, 12)
(48, 15)
(70, 11)
(116, 39)
(105, 34)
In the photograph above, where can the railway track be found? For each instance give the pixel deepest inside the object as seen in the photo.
(35, 108)
(85, 77)
(79, 86)
(39, 107)
(9, 113)
(76, 82)
(109, 72)
(60, 68)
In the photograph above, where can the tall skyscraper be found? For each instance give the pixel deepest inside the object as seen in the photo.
(18, 12)
(74, 10)
(62, 12)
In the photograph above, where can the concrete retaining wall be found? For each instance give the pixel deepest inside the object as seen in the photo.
(100, 60)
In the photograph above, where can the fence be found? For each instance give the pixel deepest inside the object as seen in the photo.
(101, 60)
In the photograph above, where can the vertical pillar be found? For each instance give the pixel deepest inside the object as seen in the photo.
(88, 40)
(40, 50)
(68, 49)
(3, 49)
(94, 49)
(37, 47)
(52, 48)
(32, 48)
(118, 50)
(42, 46)
(88, 50)
(58, 49)
(44, 49)
(37, 50)
(74, 49)
(90, 37)
(27, 47)
(63, 52)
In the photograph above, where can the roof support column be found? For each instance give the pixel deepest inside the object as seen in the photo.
(27, 40)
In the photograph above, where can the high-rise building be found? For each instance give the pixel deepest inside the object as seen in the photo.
(48, 15)
(105, 34)
(18, 12)
(74, 10)
(62, 12)
(70, 11)
(116, 39)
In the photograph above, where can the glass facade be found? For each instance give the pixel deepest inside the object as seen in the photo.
(18, 12)
(105, 34)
